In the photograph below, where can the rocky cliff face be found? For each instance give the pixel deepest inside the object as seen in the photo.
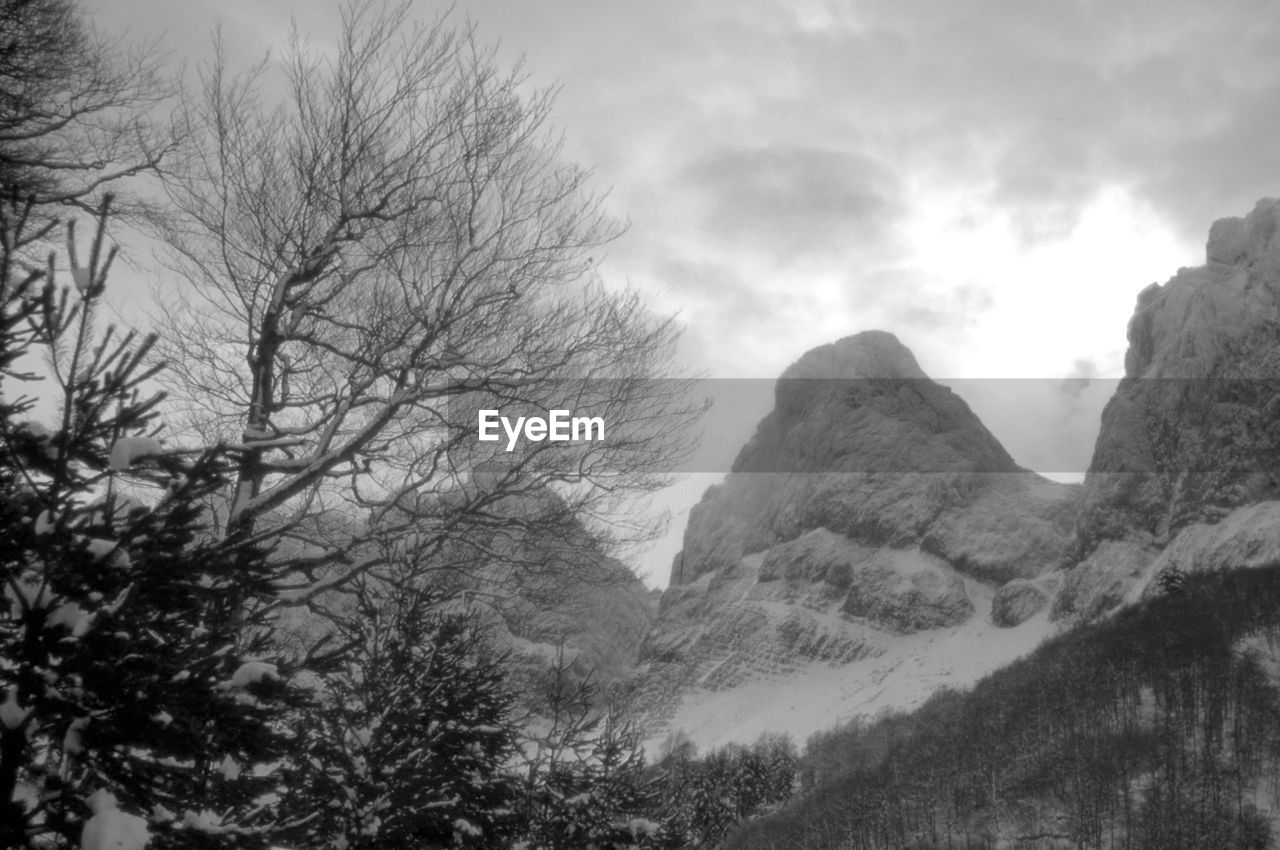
(862, 443)
(1192, 435)
(598, 620)
(871, 506)
(547, 589)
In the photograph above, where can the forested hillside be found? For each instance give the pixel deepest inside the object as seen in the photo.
(1158, 728)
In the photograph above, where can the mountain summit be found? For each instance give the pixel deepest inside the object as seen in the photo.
(862, 443)
(871, 513)
(863, 404)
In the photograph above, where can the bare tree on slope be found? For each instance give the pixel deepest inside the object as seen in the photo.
(392, 246)
(79, 113)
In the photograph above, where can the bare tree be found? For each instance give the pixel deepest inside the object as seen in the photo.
(78, 112)
(392, 246)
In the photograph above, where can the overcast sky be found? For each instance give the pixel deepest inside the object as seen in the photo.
(994, 182)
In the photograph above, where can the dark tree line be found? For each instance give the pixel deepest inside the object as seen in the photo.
(1159, 728)
(705, 797)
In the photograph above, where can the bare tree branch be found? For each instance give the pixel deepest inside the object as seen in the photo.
(394, 247)
(79, 113)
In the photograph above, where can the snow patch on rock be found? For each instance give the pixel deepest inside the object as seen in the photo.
(128, 450)
(44, 523)
(252, 672)
(13, 715)
(1245, 538)
(110, 828)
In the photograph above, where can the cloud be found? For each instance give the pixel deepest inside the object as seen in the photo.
(1040, 105)
(1082, 372)
(789, 201)
(711, 289)
(915, 302)
(791, 151)
(771, 156)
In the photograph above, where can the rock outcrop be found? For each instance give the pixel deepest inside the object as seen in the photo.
(547, 591)
(1246, 538)
(863, 443)
(1102, 580)
(1192, 434)
(1023, 598)
(598, 620)
(902, 590)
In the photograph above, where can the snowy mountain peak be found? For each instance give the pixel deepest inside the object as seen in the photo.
(871, 514)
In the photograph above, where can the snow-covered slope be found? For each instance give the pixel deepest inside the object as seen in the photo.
(896, 672)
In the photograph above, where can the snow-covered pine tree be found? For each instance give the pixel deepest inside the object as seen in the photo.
(708, 798)
(585, 781)
(412, 745)
(136, 697)
(704, 798)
